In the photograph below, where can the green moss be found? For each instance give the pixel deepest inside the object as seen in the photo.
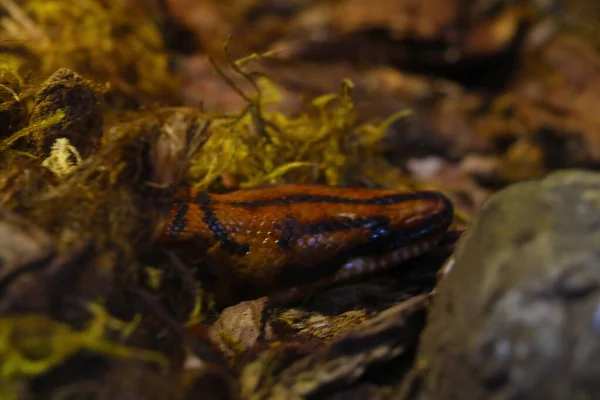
(106, 40)
(325, 144)
(31, 344)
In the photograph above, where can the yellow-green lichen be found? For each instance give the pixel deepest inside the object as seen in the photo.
(33, 344)
(52, 120)
(325, 144)
(107, 40)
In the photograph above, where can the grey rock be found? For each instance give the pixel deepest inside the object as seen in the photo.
(516, 314)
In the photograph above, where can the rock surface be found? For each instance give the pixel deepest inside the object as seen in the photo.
(516, 314)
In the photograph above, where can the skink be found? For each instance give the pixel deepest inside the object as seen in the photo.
(290, 238)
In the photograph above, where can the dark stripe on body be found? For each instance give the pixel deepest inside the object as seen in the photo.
(293, 229)
(205, 202)
(180, 221)
(306, 198)
(379, 227)
(291, 275)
